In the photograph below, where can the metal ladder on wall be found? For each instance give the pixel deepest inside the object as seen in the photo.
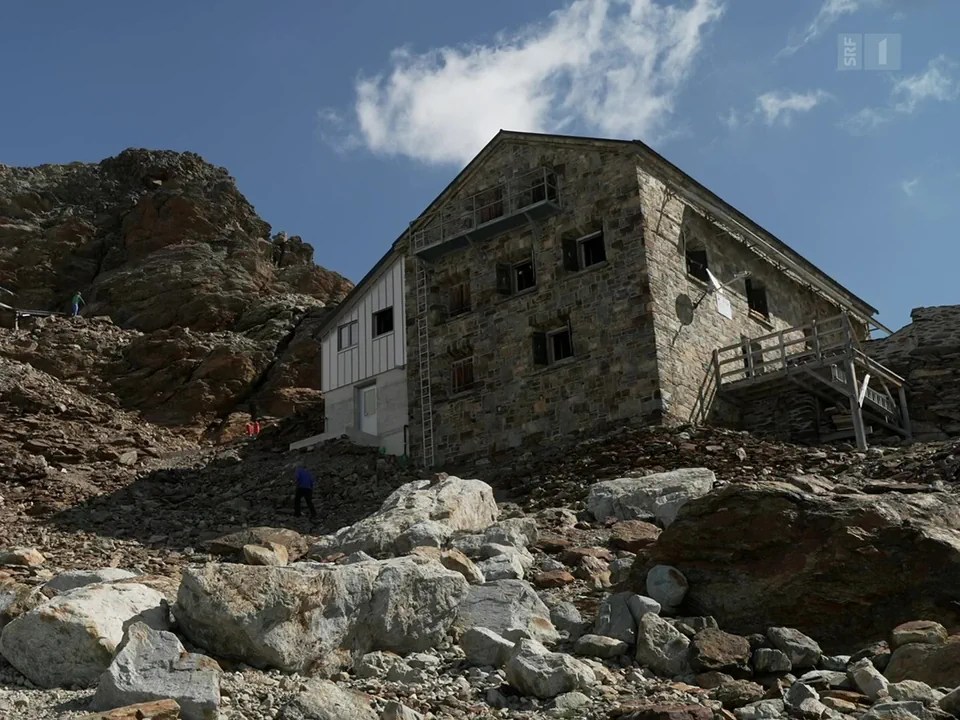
(423, 358)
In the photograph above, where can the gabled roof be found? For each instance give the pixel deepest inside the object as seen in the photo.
(357, 290)
(762, 241)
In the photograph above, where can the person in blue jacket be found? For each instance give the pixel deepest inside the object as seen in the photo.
(304, 491)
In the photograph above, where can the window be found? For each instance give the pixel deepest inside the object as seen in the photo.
(489, 204)
(696, 257)
(757, 298)
(348, 335)
(516, 278)
(383, 322)
(459, 299)
(580, 253)
(462, 374)
(553, 346)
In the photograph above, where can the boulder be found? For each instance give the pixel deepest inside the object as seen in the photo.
(71, 639)
(501, 567)
(153, 665)
(765, 553)
(455, 560)
(157, 710)
(234, 543)
(740, 693)
(270, 554)
(73, 579)
(914, 690)
(936, 665)
(654, 497)
(534, 670)
(633, 535)
(316, 617)
(395, 711)
(518, 532)
(22, 556)
(804, 652)
(667, 711)
(615, 618)
(770, 660)
(868, 679)
(899, 710)
(553, 579)
(661, 647)
(484, 647)
(918, 631)
(666, 585)
(17, 599)
(600, 646)
(427, 533)
(456, 504)
(377, 664)
(504, 606)
(713, 649)
(323, 700)
(567, 619)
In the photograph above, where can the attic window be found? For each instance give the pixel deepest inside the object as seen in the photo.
(383, 322)
(696, 258)
(757, 299)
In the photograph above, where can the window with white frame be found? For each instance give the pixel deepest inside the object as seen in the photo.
(348, 335)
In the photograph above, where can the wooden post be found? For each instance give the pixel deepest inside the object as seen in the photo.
(857, 416)
(904, 413)
(716, 367)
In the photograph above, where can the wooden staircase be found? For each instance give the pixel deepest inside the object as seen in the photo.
(823, 358)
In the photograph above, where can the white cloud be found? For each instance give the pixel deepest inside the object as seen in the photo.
(782, 106)
(909, 187)
(614, 67)
(830, 12)
(936, 83)
(732, 119)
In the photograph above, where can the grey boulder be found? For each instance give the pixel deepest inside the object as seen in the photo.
(323, 700)
(506, 607)
(534, 670)
(318, 617)
(653, 497)
(661, 647)
(73, 579)
(153, 665)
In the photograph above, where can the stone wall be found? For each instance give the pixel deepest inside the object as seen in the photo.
(684, 352)
(514, 402)
(927, 354)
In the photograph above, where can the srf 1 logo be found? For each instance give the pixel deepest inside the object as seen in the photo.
(868, 51)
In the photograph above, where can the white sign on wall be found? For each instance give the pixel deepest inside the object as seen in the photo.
(723, 305)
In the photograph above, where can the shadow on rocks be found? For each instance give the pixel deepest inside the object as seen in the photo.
(208, 495)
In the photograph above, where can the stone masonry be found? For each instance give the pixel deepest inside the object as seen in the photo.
(633, 361)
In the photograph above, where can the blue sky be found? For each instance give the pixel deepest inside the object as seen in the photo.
(342, 119)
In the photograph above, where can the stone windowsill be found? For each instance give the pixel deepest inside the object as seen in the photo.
(566, 362)
(762, 320)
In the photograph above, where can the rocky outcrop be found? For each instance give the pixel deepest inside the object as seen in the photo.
(926, 353)
(214, 310)
(763, 554)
